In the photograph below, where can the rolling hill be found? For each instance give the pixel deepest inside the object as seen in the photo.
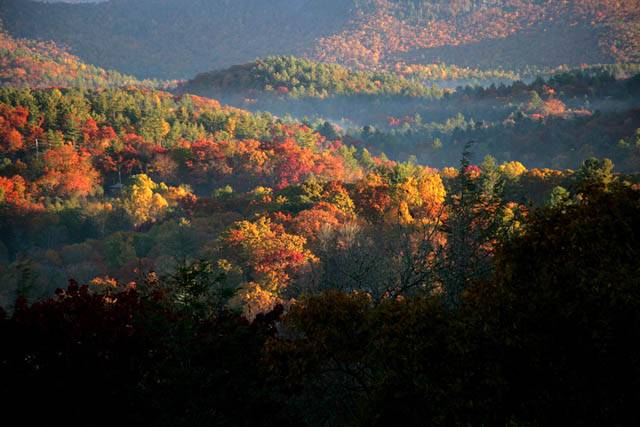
(298, 77)
(178, 39)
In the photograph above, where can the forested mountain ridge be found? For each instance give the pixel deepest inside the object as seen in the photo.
(297, 77)
(557, 121)
(177, 39)
(408, 212)
(487, 33)
(30, 63)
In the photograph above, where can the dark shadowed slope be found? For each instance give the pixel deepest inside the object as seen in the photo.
(169, 38)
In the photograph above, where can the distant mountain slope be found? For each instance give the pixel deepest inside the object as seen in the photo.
(300, 78)
(179, 38)
(471, 32)
(28, 63)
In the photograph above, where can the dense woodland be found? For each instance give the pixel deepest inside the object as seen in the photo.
(379, 239)
(193, 228)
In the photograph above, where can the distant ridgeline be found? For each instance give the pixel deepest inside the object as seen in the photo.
(297, 78)
(179, 38)
(300, 78)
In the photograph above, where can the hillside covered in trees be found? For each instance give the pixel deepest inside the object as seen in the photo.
(178, 39)
(192, 264)
(409, 117)
(404, 212)
(28, 63)
(288, 75)
(109, 183)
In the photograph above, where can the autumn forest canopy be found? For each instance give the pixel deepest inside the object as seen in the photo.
(322, 213)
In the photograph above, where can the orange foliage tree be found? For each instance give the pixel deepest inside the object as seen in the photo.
(13, 122)
(68, 172)
(271, 257)
(14, 192)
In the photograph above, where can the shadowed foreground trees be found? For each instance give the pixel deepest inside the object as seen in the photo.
(549, 339)
(563, 310)
(134, 357)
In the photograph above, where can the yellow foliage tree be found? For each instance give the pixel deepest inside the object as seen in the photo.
(419, 197)
(143, 201)
(512, 170)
